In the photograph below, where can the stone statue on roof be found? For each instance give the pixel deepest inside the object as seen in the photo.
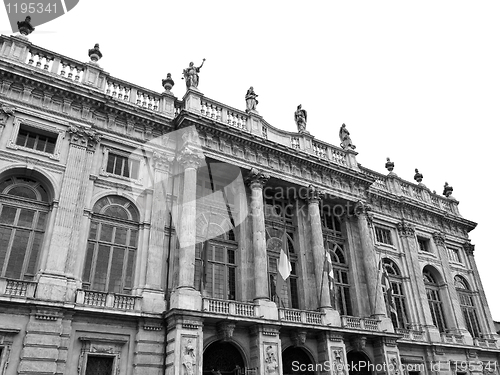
(191, 75)
(345, 139)
(251, 99)
(301, 119)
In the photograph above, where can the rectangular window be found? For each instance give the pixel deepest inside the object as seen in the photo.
(423, 244)
(383, 235)
(36, 139)
(99, 365)
(454, 255)
(122, 166)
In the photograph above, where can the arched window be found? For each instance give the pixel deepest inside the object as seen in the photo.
(394, 291)
(340, 293)
(24, 209)
(467, 306)
(215, 267)
(111, 246)
(434, 300)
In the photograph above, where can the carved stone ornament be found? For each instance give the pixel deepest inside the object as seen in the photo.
(418, 176)
(188, 357)
(469, 248)
(314, 195)
(271, 365)
(405, 229)
(162, 161)
(256, 178)
(389, 165)
(338, 362)
(95, 54)
(82, 137)
(168, 83)
(225, 330)
(359, 343)
(363, 209)
(439, 238)
(6, 112)
(299, 337)
(191, 157)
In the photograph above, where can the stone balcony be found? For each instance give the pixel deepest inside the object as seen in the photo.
(301, 316)
(17, 288)
(411, 334)
(226, 307)
(108, 300)
(353, 322)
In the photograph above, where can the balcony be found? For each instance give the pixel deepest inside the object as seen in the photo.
(485, 343)
(226, 307)
(17, 288)
(450, 338)
(411, 334)
(353, 322)
(108, 300)
(301, 316)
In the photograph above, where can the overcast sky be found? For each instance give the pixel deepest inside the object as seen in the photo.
(418, 81)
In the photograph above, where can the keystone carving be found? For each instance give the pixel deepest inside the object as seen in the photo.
(225, 330)
(299, 337)
(359, 343)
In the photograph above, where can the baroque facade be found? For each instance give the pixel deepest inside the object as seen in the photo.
(142, 234)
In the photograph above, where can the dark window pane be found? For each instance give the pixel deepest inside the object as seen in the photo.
(126, 170)
(5, 234)
(99, 365)
(23, 191)
(8, 215)
(130, 269)
(35, 251)
(115, 274)
(133, 238)
(26, 218)
(88, 262)
(101, 268)
(231, 283)
(106, 233)
(30, 141)
(50, 146)
(42, 217)
(17, 254)
(93, 230)
(118, 165)
(21, 138)
(110, 166)
(121, 236)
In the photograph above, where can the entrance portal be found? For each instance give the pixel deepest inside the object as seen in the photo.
(222, 358)
(296, 359)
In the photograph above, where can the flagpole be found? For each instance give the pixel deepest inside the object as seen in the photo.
(379, 279)
(322, 281)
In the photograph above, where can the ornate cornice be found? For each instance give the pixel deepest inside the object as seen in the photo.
(439, 238)
(256, 178)
(405, 229)
(82, 137)
(314, 195)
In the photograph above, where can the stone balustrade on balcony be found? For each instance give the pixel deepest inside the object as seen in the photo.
(108, 300)
(227, 307)
(411, 334)
(353, 322)
(301, 316)
(17, 288)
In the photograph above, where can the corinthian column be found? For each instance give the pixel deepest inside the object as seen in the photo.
(190, 158)
(370, 264)
(256, 180)
(314, 196)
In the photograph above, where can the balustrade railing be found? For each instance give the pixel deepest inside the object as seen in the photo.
(339, 157)
(368, 324)
(108, 300)
(301, 316)
(227, 307)
(410, 334)
(17, 288)
(117, 90)
(320, 151)
(450, 338)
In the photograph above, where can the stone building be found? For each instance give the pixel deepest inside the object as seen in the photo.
(141, 233)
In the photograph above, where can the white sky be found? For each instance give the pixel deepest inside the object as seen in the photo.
(416, 81)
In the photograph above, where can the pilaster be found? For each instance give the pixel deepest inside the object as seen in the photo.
(331, 350)
(386, 352)
(148, 354)
(265, 350)
(184, 345)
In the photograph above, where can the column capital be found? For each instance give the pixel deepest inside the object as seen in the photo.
(314, 195)
(469, 248)
(191, 157)
(364, 209)
(82, 137)
(161, 160)
(257, 178)
(6, 112)
(439, 238)
(405, 229)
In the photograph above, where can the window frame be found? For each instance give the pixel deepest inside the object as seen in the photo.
(436, 306)
(388, 232)
(454, 255)
(469, 311)
(427, 243)
(6, 342)
(99, 346)
(398, 293)
(59, 134)
(129, 155)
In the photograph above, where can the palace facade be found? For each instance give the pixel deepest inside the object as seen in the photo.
(141, 233)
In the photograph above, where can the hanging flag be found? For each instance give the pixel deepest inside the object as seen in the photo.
(386, 283)
(284, 269)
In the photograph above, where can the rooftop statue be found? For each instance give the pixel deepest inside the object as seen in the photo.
(345, 139)
(25, 27)
(301, 119)
(447, 190)
(251, 99)
(191, 75)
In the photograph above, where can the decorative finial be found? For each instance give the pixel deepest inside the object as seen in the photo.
(251, 99)
(301, 119)
(418, 176)
(168, 83)
(345, 139)
(95, 54)
(25, 27)
(389, 165)
(447, 190)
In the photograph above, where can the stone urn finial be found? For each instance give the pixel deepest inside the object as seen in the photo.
(95, 54)
(447, 190)
(389, 165)
(25, 27)
(168, 83)
(418, 176)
